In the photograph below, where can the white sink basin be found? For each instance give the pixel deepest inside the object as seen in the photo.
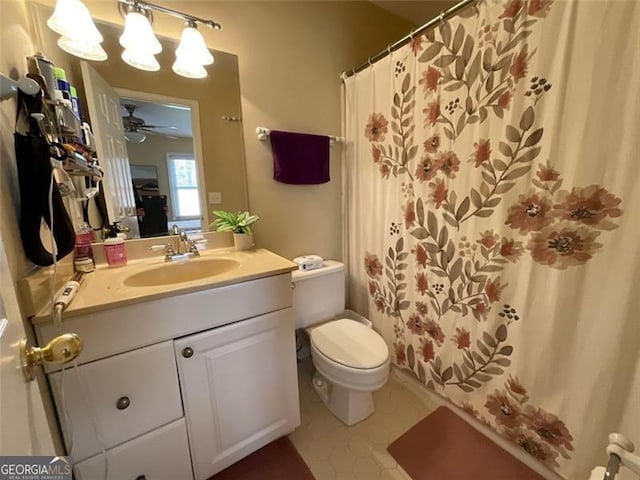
(180, 272)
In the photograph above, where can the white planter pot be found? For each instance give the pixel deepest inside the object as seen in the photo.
(243, 241)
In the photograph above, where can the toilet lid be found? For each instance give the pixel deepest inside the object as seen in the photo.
(350, 343)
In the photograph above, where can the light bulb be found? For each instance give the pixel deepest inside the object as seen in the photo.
(192, 47)
(140, 60)
(188, 69)
(72, 19)
(86, 50)
(139, 35)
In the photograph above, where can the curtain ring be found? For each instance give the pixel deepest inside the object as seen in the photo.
(369, 62)
(389, 49)
(441, 17)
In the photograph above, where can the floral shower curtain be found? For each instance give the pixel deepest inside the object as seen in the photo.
(491, 179)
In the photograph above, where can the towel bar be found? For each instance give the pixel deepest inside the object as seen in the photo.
(263, 134)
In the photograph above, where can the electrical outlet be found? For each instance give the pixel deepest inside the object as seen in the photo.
(215, 198)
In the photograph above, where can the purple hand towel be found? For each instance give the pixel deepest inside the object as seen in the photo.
(300, 158)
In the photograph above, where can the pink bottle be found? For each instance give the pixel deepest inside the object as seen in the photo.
(115, 251)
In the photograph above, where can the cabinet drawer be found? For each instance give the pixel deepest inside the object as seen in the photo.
(129, 395)
(160, 455)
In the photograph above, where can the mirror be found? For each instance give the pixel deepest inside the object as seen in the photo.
(217, 143)
(164, 169)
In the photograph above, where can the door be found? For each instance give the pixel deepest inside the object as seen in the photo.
(239, 388)
(106, 119)
(23, 425)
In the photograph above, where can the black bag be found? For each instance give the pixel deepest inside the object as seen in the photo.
(34, 178)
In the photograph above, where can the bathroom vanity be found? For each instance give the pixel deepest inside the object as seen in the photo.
(177, 380)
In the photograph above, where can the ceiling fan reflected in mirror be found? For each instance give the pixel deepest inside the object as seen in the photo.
(135, 128)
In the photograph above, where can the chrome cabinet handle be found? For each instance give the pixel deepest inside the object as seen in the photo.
(123, 403)
(187, 352)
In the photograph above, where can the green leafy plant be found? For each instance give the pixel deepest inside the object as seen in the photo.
(236, 222)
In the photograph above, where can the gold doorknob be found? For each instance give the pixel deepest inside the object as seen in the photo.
(61, 349)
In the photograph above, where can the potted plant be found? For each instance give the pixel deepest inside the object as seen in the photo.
(238, 223)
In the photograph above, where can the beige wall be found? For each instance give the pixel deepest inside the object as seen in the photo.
(153, 151)
(290, 56)
(15, 45)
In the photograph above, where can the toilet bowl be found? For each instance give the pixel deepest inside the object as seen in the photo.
(351, 359)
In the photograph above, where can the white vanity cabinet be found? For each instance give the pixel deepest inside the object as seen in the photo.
(239, 388)
(179, 387)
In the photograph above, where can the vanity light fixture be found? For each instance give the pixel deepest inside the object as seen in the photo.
(138, 34)
(192, 53)
(139, 42)
(88, 51)
(138, 39)
(192, 46)
(189, 69)
(80, 37)
(140, 60)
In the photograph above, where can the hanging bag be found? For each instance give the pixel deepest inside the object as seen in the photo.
(33, 154)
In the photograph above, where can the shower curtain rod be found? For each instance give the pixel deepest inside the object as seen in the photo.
(444, 15)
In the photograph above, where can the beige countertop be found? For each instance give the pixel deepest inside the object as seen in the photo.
(105, 287)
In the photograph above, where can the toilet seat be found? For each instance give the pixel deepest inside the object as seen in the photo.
(351, 344)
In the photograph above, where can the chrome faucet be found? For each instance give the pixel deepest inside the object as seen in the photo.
(183, 243)
(183, 239)
(185, 248)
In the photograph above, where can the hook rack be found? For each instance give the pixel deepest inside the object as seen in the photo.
(9, 87)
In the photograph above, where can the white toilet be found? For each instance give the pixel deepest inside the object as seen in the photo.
(352, 360)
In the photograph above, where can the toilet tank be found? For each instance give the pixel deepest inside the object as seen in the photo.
(318, 295)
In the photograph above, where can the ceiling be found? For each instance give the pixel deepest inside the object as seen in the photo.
(169, 115)
(417, 12)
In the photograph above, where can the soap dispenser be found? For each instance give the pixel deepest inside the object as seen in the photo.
(115, 249)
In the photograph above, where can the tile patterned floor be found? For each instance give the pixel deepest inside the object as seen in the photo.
(334, 451)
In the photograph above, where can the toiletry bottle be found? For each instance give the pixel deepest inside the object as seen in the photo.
(83, 241)
(33, 72)
(47, 71)
(115, 249)
(75, 103)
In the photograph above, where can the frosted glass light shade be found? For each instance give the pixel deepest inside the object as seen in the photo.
(134, 137)
(71, 19)
(82, 49)
(192, 47)
(188, 69)
(140, 60)
(138, 34)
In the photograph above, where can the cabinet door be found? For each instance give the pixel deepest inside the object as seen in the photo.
(239, 387)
